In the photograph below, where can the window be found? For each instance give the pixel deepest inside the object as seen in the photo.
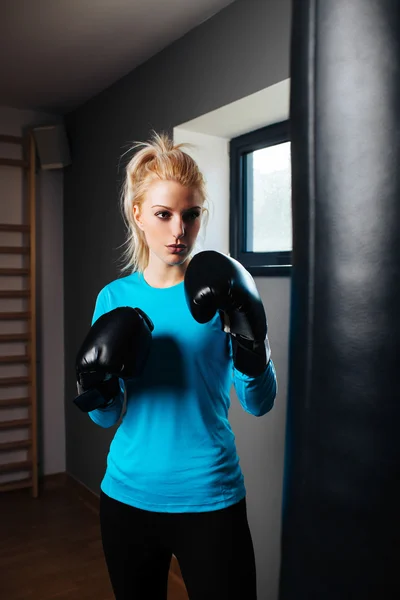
(260, 200)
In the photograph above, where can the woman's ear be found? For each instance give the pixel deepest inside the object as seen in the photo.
(136, 216)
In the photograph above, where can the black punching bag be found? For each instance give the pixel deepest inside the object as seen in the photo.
(341, 508)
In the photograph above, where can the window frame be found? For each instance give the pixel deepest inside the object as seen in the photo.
(257, 263)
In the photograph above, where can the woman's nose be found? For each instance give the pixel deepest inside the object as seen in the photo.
(178, 228)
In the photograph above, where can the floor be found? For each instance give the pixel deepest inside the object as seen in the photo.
(50, 548)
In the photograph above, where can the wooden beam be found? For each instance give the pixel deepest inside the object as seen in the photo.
(32, 307)
(17, 227)
(11, 139)
(13, 162)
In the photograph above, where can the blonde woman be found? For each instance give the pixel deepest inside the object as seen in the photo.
(173, 334)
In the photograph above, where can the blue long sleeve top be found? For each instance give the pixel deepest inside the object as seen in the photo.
(174, 449)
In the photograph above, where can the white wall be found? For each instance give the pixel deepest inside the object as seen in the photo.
(260, 442)
(212, 155)
(51, 426)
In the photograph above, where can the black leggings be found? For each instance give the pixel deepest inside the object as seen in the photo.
(214, 550)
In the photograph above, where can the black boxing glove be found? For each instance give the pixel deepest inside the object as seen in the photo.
(117, 346)
(215, 282)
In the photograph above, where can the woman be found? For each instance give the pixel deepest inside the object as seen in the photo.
(173, 483)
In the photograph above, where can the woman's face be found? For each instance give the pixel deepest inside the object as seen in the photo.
(170, 217)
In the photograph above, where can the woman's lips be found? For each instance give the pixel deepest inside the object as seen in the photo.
(176, 248)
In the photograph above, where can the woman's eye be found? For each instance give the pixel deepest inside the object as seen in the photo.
(163, 215)
(193, 215)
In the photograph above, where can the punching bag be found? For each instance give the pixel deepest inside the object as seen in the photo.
(341, 508)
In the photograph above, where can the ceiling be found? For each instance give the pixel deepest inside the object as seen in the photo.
(56, 54)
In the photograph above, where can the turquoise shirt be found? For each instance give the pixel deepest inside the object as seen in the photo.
(174, 449)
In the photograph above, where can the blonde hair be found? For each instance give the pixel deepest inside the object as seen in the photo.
(158, 159)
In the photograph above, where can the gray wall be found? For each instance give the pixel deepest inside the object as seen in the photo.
(260, 444)
(241, 50)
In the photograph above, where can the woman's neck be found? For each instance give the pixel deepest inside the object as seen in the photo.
(161, 277)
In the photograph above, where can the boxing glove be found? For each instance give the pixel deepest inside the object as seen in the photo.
(215, 282)
(116, 346)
